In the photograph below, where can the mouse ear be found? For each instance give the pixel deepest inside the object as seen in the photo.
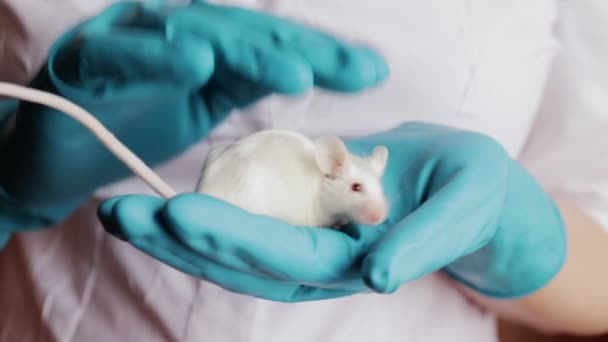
(378, 159)
(331, 156)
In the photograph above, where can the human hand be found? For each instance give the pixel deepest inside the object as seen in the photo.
(160, 80)
(239, 251)
(458, 203)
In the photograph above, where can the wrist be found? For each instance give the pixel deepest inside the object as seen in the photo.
(18, 217)
(527, 250)
(4, 238)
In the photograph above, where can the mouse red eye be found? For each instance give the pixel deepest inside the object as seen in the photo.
(356, 187)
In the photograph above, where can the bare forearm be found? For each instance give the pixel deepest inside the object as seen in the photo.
(576, 300)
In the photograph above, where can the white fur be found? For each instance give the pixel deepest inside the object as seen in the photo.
(287, 175)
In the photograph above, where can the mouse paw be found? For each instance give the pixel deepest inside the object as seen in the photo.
(339, 224)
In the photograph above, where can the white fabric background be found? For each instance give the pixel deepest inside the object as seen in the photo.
(568, 147)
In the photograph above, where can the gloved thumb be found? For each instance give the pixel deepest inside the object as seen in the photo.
(446, 227)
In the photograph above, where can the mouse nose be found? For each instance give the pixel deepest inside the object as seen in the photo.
(374, 214)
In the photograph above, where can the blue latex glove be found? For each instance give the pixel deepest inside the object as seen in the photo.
(459, 203)
(160, 80)
(7, 108)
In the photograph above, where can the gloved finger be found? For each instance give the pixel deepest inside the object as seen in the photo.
(227, 90)
(146, 233)
(137, 58)
(172, 253)
(265, 246)
(126, 45)
(240, 240)
(335, 64)
(107, 217)
(248, 53)
(423, 242)
(123, 14)
(4, 238)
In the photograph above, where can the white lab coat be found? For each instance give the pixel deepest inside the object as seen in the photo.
(478, 64)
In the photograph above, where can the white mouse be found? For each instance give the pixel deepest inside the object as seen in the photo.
(277, 173)
(288, 176)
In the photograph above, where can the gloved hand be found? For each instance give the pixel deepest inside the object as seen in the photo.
(160, 80)
(458, 203)
(7, 108)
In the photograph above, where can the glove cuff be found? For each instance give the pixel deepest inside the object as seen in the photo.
(528, 249)
(18, 218)
(4, 238)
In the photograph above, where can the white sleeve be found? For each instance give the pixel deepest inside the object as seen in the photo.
(28, 29)
(568, 147)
